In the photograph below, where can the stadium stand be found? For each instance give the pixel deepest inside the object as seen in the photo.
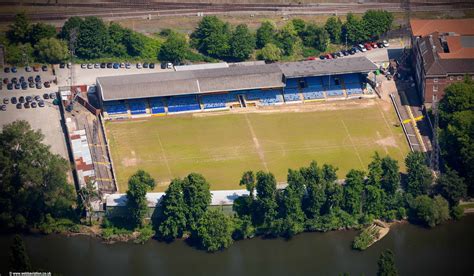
(183, 103)
(115, 107)
(137, 107)
(266, 97)
(292, 83)
(291, 95)
(157, 106)
(314, 82)
(312, 93)
(217, 100)
(353, 88)
(351, 78)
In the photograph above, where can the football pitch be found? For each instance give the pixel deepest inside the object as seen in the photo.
(221, 147)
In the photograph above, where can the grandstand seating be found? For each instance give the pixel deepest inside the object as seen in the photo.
(137, 107)
(291, 95)
(353, 88)
(351, 78)
(157, 106)
(312, 93)
(217, 100)
(116, 107)
(334, 92)
(183, 103)
(292, 83)
(314, 81)
(266, 97)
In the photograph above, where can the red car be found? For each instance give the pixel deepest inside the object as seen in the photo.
(328, 56)
(373, 44)
(311, 58)
(367, 46)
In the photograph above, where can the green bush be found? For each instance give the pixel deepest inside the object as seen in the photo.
(457, 212)
(146, 233)
(365, 238)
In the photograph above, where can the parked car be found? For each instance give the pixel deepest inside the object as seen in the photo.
(122, 65)
(352, 51)
(34, 104)
(21, 79)
(17, 86)
(373, 44)
(31, 85)
(152, 66)
(90, 66)
(39, 85)
(21, 99)
(31, 79)
(6, 70)
(52, 95)
(14, 100)
(41, 103)
(380, 44)
(14, 70)
(28, 69)
(37, 98)
(47, 84)
(345, 52)
(36, 68)
(37, 78)
(334, 55)
(103, 65)
(367, 46)
(362, 48)
(83, 66)
(26, 105)
(97, 66)
(139, 66)
(328, 56)
(14, 80)
(5, 80)
(116, 66)
(62, 65)
(19, 106)
(128, 66)
(46, 96)
(110, 65)
(44, 68)
(321, 57)
(385, 43)
(29, 99)
(10, 86)
(3, 108)
(145, 65)
(6, 100)
(169, 65)
(69, 65)
(24, 85)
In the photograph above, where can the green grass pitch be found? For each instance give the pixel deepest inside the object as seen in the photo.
(222, 147)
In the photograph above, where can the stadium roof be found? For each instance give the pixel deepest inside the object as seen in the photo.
(190, 82)
(327, 67)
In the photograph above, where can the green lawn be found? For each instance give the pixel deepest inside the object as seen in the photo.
(222, 147)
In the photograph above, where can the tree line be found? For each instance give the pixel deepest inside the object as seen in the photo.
(90, 38)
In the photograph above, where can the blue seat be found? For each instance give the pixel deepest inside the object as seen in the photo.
(291, 95)
(183, 103)
(157, 106)
(137, 107)
(292, 83)
(351, 78)
(314, 81)
(217, 100)
(116, 107)
(266, 97)
(353, 88)
(312, 93)
(334, 92)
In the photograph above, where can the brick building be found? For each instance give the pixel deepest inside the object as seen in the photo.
(443, 53)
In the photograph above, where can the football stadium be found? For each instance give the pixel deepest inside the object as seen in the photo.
(264, 119)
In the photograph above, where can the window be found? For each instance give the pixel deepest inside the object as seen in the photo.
(336, 81)
(435, 80)
(435, 88)
(459, 78)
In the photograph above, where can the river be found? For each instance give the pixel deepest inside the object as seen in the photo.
(444, 250)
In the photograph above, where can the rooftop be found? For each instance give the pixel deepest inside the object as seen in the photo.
(424, 27)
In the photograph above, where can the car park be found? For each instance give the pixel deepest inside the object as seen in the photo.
(380, 44)
(34, 104)
(352, 51)
(10, 86)
(145, 65)
(68, 65)
(21, 99)
(41, 103)
(139, 66)
(103, 65)
(373, 44)
(345, 53)
(22, 79)
(6, 100)
(122, 65)
(6, 69)
(385, 43)
(152, 66)
(83, 66)
(28, 69)
(367, 46)
(116, 66)
(19, 105)
(90, 66)
(37, 78)
(17, 86)
(3, 107)
(31, 79)
(39, 85)
(47, 84)
(14, 100)
(362, 48)
(31, 85)
(110, 65)
(37, 98)
(328, 56)
(334, 55)
(128, 66)
(14, 70)
(26, 105)
(36, 68)
(44, 68)
(14, 80)
(52, 95)
(28, 99)
(321, 57)
(5, 80)
(24, 85)
(97, 66)
(62, 65)
(46, 96)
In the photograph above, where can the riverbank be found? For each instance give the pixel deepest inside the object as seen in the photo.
(444, 250)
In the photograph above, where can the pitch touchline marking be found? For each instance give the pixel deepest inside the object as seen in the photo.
(388, 126)
(256, 143)
(352, 142)
(164, 155)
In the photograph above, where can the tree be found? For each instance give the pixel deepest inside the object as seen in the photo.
(419, 177)
(270, 53)
(265, 34)
(174, 49)
(315, 196)
(353, 28)
(390, 181)
(353, 192)
(299, 25)
(316, 37)
(19, 260)
(286, 39)
(19, 31)
(329, 173)
(386, 264)
(429, 211)
(374, 201)
(172, 220)
(296, 181)
(213, 231)
(52, 50)
(41, 31)
(19, 54)
(86, 196)
(34, 181)
(290, 211)
(333, 27)
(134, 43)
(138, 185)
(211, 37)
(197, 198)
(242, 43)
(248, 180)
(451, 187)
(92, 38)
(73, 23)
(377, 22)
(266, 199)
